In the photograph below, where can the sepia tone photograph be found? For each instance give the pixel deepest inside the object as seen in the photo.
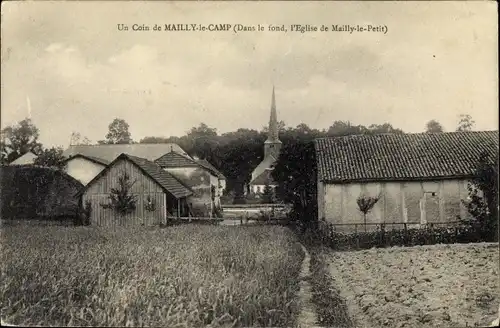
(249, 164)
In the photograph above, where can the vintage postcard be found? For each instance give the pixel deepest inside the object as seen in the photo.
(249, 164)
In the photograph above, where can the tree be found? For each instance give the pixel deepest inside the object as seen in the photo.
(295, 173)
(268, 194)
(18, 140)
(382, 128)
(118, 132)
(77, 139)
(121, 201)
(154, 140)
(52, 157)
(366, 204)
(465, 123)
(483, 197)
(344, 128)
(281, 127)
(434, 126)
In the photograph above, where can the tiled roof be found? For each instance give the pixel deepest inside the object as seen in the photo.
(164, 179)
(206, 164)
(174, 159)
(110, 152)
(266, 163)
(90, 158)
(264, 178)
(402, 156)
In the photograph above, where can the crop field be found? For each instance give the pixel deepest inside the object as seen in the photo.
(423, 286)
(181, 276)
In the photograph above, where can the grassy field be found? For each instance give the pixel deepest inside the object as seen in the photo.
(423, 286)
(183, 276)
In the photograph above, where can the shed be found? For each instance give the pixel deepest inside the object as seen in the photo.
(151, 185)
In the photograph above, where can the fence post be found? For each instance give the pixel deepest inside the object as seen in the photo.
(405, 236)
(357, 235)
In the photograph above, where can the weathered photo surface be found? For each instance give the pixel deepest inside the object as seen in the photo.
(249, 164)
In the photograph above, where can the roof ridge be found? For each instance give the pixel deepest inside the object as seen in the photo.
(405, 134)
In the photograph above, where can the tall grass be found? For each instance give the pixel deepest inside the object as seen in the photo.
(183, 276)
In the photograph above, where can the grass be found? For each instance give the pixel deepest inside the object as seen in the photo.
(182, 276)
(331, 308)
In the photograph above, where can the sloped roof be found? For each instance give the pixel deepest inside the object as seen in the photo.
(267, 162)
(174, 159)
(110, 152)
(206, 164)
(415, 156)
(28, 158)
(264, 178)
(90, 158)
(164, 179)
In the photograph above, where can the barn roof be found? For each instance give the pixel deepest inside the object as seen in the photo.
(416, 156)
(174, 159)
(206, 164)
(112, 151)
(90, 158)
(164, 179)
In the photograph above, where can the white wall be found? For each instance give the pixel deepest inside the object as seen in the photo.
(259, 188)
(82, 169)
(422, 202)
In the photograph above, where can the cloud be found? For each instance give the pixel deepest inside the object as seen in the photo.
(80, 72)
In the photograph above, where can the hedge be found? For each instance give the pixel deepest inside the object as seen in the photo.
(32, 192)
(426, 235)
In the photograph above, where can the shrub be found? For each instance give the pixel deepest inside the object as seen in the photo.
(483, 198)
(121, 201)
(426, 235)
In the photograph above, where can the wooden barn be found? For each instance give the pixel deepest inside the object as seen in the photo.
(158, 194)
(416, 177)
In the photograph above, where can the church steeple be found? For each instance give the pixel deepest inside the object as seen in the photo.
(273, 121)
(273, 144)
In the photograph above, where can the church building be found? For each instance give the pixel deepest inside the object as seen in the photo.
(261, 175)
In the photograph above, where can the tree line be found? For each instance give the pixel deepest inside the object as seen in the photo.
(234, 153)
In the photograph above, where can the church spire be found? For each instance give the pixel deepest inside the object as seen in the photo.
(273, 121)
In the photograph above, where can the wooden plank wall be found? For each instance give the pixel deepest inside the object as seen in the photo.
(98, 193)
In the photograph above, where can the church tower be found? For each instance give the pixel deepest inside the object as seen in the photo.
(272, 145)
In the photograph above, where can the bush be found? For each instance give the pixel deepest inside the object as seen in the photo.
(31, 192)
(427, 235)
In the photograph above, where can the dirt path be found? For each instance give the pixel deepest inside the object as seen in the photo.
(307, 316)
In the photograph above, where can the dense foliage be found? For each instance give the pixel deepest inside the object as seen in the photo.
(52, 157)
(29, 192)
(19, 139)
(182, 276)
(483, 197)
(382, 237)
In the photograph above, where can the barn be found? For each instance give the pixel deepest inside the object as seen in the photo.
(158, 194)
(84, 162)
(417, 178)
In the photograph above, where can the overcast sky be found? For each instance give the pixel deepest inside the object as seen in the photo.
(436, 61)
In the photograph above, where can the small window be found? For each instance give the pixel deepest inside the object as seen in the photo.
(271, 146)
